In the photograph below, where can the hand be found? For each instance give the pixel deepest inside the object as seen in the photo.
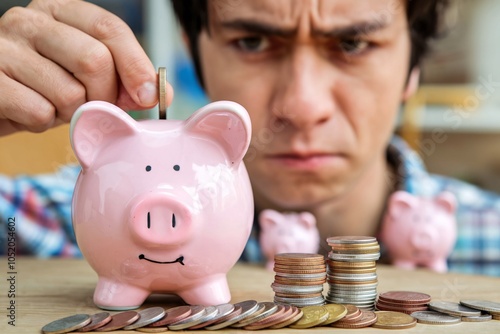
(56, 55)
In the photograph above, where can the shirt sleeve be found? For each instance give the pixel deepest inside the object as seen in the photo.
(39, 209)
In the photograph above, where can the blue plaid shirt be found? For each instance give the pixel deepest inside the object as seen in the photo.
(41, 207)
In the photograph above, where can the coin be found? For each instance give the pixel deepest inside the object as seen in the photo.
(248, 307)
(296, 315)
(452, 308)
(197, 311)
(162, 92)
(270, 319)
(268, 309)
(120, 320)
(222, 311)
(67, 324)
(483, 305)
(343, 264)
(367, 318)
(408, 309)
(210, 313)
(435, 318)
(353, 312)
(335, 313)
(394, 320)
(283, 267)
(481, 318)
(313, 316)
(350, 240)
(285, 288)
(405, 297)
(298, 257)
(300, 281)
(173, 315)
(146, 317)
(96, 320)
(152, 329)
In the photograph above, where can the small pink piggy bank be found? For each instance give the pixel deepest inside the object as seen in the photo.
(420, 231)
(287, 233)
(161, 205)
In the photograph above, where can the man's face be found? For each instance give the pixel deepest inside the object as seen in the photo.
(322, 82)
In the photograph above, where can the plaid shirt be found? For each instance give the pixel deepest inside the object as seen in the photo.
(41, 207)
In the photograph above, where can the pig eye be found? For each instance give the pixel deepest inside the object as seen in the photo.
(177, 167)
(148, 168)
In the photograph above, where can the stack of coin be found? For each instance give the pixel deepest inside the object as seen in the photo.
(492, 308)
(299, 279)
(403, 301)
(351, 274)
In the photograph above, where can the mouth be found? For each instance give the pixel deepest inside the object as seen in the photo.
(180, 260)
(306, 161)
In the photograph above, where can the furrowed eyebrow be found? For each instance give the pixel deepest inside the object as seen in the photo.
(259, 28)
(357, 29)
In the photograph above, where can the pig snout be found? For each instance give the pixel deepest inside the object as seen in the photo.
(158, 219)
(424, 238)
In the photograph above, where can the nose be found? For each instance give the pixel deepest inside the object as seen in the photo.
(424, 238)
(158, 219)
(304, 97)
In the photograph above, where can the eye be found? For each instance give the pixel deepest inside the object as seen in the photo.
(353, 46)
(177, 167)
(148, 168)
(253, 44)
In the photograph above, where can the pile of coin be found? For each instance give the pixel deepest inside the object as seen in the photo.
(356, 318)
(351, 273)
(299, 279)
(403, 301)
(446, 313)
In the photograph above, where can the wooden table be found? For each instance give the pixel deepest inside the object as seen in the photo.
(47, 290)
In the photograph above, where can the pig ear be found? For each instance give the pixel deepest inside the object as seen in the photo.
(94, 125)
(307, 219)
(447, 201)
(269, 218)
(225, 122)
(399, 202)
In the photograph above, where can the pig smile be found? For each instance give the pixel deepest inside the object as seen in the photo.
(180, 259)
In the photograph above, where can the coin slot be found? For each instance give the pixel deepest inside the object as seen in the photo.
(173, 220)
(149, 220)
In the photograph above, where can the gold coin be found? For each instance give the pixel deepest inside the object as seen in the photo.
(313, 316)
(352, 271)
(282, 267)
(335, 313)
(355, 245)
(394, 320)
(298, 257)
(162, 92)
(361, 250)
(495, 317)
(344, 264)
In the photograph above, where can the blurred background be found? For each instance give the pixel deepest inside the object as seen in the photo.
(453, 121)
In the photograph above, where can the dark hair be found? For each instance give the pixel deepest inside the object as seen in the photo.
(424, 18)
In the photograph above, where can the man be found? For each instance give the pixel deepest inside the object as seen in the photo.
(322, 81)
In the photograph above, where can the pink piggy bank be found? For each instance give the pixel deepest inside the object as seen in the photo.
(161, 205)
(287, 233)
(420, 231)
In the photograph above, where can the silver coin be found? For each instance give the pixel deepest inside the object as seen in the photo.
(350, 240)
(483, 305)
(222, 311)
(287, 300)
(353, 278)
(269, 308)
(208, 313)
(66, 325)
(353, 257)
(347, 293)
(197, 311)
(452, 308)
(356, 287)
(352, 297)
(147, 316)
(248, 307)
(435, 318)
(311, 276)
(481, 318)
(302, 303)
(296, 288)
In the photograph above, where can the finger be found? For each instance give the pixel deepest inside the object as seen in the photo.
(21, 108)
(47, 78)
(87, 59)
(134, 68)
(126, 102)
